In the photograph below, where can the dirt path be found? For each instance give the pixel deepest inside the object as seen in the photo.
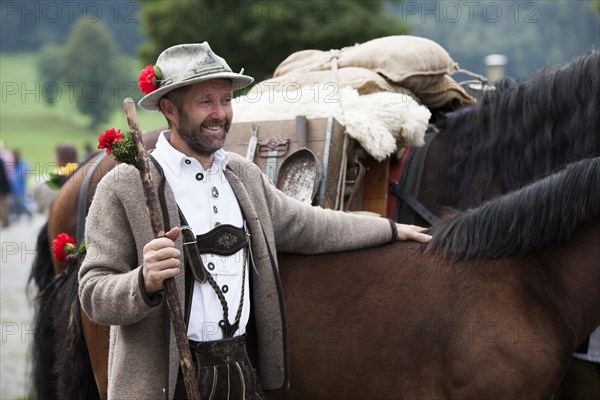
(16, 256)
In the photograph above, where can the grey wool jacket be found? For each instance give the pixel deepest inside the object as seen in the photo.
(111, 285)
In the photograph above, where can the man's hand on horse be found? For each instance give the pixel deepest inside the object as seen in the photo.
(161, 261)
(412, 232)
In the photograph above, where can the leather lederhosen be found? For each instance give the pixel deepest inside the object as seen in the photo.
(223, 371)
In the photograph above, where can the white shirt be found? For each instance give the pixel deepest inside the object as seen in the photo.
(206, 198)
(593, 353)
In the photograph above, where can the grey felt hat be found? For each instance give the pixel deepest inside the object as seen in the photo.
(186, 64)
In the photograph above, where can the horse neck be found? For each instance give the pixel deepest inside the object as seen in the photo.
(578, 265)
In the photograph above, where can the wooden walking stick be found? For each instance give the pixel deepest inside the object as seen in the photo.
(153, 207)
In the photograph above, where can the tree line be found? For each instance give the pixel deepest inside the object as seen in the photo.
(86, 41)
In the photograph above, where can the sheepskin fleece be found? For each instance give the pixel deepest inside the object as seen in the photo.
(380, 122)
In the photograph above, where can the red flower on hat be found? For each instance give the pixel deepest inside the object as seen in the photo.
(148, 80)
(109, 138)
(63, 246)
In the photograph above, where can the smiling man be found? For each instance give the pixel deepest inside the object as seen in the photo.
(233, 223)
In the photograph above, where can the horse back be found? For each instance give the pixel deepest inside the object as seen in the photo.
(403, 323)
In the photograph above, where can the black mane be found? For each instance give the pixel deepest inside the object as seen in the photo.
(521, 132)
(540, 214)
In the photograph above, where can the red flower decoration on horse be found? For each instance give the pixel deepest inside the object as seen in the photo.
(63, 248)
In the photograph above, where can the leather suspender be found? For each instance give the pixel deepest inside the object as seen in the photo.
(223, 240)
(192, 253)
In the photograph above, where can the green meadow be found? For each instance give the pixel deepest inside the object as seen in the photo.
(33, 126)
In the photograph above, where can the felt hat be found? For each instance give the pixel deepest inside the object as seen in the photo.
(183, 65)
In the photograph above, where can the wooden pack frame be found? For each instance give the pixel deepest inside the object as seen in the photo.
(336, 151)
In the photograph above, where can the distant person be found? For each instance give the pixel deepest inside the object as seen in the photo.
(18, 179)
(88, 153)
(7, 156)
(4, 195)
(65, 154)
(43, 195)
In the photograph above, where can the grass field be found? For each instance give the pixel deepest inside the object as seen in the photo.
(35, 127)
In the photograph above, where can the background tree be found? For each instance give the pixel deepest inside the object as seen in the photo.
(93, 67)
(29, 25)
(49, 74)
(258, 35)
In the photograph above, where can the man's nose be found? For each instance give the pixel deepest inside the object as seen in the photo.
(218, 112)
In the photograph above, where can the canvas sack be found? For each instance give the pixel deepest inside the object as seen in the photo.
(446, 94)
(304, 61)
(363, 80)
(399, 57)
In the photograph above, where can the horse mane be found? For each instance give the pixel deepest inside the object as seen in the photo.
(72, 363)
(542, 213)
(521, 131)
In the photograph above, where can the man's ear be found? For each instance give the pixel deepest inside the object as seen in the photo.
(169, 110)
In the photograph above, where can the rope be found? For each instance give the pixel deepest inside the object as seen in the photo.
(224, 323)
(481, 78)
(339, 201)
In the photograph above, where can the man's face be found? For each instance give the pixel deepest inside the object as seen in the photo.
(205, 115)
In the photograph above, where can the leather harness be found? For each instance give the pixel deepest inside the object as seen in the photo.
(407, 188)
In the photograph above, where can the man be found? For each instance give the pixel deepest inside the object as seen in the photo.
(4, 195)
(65, 154)
(18, 186)
(229, 271)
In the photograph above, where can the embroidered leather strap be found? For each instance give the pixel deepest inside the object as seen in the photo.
(223, 240)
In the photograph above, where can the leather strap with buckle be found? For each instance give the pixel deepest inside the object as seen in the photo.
(224, 240)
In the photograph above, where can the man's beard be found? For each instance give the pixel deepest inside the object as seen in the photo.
(191, 134)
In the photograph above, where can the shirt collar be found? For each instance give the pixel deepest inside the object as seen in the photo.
(176, 159)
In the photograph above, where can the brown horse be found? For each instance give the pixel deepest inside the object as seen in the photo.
(54, 344)
(494, 308)
(462, 138)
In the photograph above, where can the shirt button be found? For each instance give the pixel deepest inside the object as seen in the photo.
(215, 209)
(215, 192)
(199, 176)
(225, 288)
(217, 224)
(211, 266)
(188, 162)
